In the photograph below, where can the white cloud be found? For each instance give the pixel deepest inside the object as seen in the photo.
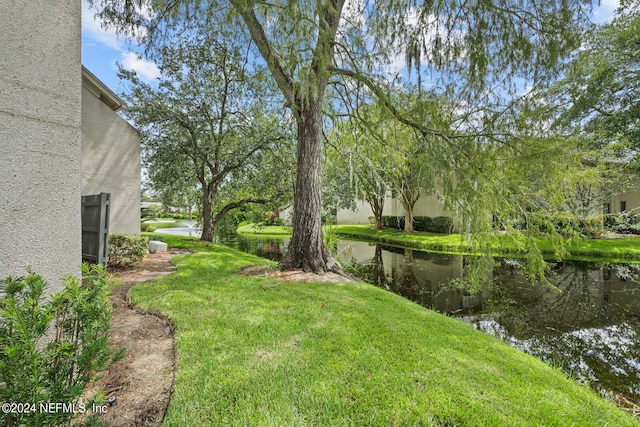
(91, 27)
(604, 13)
(145, 69)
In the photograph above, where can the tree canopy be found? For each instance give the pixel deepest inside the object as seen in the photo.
(206, 123)
(465, 48)
(600, 93)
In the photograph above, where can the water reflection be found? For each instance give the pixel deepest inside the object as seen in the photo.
(588, 324)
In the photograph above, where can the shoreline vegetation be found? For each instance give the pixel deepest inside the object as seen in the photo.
(260, 351)
(618, 250)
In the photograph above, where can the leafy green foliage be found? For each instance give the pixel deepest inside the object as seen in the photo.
(439, 224)
(51, 347)
(340, 47)
(623, 222)
(209, 135)
(601, 91)
(125, 249)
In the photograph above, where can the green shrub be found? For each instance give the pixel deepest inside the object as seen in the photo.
(50, 348)
(151, 211)
(627, 222)
(125, 249)
(422, 223)
(393, 222)
(145, 226)
(441, 224)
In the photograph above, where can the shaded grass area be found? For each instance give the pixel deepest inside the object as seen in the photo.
(255, 351)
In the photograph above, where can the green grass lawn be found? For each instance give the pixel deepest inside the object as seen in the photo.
(271, 230)
(613, 250)
(262, 352)
(166, 223)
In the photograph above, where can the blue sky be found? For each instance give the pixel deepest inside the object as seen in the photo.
(102, 50)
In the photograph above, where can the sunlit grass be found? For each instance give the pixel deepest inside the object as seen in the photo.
(613, 250)
(261, 352)
(274, 230)
(152, 226)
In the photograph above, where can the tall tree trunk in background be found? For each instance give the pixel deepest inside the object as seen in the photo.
(377, 206)
(307, 250)
(409, 199)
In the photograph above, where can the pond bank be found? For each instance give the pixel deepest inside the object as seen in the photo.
(625, 249)
(259, 351)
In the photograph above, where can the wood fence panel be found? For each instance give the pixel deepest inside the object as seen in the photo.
(95, 228)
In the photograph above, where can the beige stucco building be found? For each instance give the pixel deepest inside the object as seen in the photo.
(425, 206)
(626, 201)
(40, 92)
(57, 140)
(110, 154)
(431, 206)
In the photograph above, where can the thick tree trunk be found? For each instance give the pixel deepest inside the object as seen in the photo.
(208, 217)
(307, 250)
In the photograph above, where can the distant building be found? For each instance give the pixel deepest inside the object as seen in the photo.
(428, 205)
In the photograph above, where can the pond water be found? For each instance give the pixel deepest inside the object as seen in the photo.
(589, 325)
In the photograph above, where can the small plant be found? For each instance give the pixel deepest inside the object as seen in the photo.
(330, 236)
(258, 227)
(51, 347)
(125, 249)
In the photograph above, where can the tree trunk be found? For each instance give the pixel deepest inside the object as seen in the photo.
(208, 217)
(307, 250)
(377, 206)
(408, 202)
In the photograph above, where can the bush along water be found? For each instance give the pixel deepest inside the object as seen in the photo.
(52, 345)
(439, 224)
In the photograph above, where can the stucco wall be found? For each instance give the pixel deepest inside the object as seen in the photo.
(632, 199)
(425, 206)
(40, 138)
(111, 162)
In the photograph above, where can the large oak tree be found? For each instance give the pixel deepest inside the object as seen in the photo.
(206, 123)
(310, 45)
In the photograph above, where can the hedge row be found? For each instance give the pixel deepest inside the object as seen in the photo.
(439, 224)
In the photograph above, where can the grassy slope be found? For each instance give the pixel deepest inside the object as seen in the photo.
(263, 352)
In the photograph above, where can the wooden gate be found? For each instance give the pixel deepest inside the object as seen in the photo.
(95, 228)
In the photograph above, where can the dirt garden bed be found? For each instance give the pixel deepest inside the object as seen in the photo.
(142, 382)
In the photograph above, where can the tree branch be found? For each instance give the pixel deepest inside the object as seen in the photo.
(283, 79)
(386, 102)
(234, 205)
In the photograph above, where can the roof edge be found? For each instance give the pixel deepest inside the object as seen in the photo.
(105, 94)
